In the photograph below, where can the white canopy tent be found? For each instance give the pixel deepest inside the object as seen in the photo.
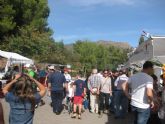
(15, 58)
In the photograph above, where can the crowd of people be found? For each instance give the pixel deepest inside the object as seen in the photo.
(105, 92)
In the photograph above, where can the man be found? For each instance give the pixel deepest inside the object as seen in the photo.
(93, 85)
(114, 76)
(29, 70)
(56, 84)
(120, 99)
(105, 93)
(80, 91)
(141, 86)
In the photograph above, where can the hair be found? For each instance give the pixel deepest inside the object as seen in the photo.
(24, 90)
(16, 68)
(105, 70)
(94, 71)
(79, 74)
(147, 65)
(154, 77)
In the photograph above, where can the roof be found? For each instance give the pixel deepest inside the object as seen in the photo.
(15, 57)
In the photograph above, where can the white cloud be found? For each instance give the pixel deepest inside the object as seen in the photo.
(100, 2)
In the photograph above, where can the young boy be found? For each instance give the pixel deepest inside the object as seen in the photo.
(80, 91)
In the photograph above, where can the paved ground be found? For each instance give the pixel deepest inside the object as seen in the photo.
(44, 115)
(1, 114)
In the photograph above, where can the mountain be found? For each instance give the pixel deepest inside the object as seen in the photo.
(123, 45)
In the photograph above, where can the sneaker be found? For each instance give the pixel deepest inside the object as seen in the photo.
(92, 111)
(100, 114)
(79, 116)
(73, 115)
(107, 112)
(58, 113)
(36, 106)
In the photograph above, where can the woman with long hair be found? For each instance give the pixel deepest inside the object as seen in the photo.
(22, 97)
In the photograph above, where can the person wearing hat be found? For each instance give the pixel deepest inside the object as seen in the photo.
(56, 84)
(29, 70)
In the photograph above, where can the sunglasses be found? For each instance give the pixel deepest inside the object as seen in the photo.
(105, 73)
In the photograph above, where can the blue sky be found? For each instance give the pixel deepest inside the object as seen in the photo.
(115, 20)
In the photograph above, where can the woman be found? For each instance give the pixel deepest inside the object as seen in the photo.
(22, 98)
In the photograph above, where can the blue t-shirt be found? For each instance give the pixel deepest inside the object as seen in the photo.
(57, 80)
(20, 113)
(80, 85)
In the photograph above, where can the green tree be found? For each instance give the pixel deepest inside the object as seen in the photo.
(7, 14)
(23, 29)
(94, 55)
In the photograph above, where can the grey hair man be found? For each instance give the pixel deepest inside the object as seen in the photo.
(93, 85)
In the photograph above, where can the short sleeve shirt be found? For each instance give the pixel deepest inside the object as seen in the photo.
(31, 73)
(20, 113)
(138, 84)
(57, 81)
(80, 85)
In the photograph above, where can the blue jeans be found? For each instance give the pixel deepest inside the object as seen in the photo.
(141, 115)
(112, 102)
(57, 98)
(120, 104)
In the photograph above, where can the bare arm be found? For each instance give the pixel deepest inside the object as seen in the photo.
(66, 86)
(49, 86)
(110, 89)
(74, 88)
(8, 86)
(40, 86)
(125, 88)
(150, 94)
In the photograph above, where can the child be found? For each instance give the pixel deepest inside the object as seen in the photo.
(80, 91)
(70, 95)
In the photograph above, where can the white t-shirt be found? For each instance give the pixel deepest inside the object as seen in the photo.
(67, 77)
(138, 84)
(70, 90)
(120, 80)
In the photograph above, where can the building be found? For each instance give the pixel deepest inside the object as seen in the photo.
(153, 49)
